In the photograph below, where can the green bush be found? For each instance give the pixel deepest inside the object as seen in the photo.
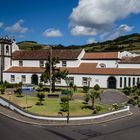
(115, 106)
(74, 88)
(64, 104)
(127, 91)
(97, 109)
(87, 97)
(41, 97)
(71, 84)
(85, 89)
(68, 93)
(96, 87)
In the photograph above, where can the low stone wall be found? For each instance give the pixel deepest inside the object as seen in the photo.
(13, 107)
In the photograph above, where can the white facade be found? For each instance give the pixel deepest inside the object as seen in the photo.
(80, 79)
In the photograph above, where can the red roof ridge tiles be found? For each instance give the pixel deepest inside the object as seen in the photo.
(71, 54)
(101, 55)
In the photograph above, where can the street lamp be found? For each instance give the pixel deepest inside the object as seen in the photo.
(68, 114)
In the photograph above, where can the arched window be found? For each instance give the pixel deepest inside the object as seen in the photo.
(7, 49)
(102, 65)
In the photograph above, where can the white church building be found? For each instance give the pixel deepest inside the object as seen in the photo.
(107, 69)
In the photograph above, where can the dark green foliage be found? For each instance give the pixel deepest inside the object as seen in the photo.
(68, 93)
(41, 97)
(40, 85)
(87, 98)
(85, 89)
(74, 88)
(96, 87)
(9, 85)
(56, 72)
(64, 103)
(93, 96)
(138, 85)
(97, 109)
(71, 84)
(127, 91)
(18, 89)
(2, 88)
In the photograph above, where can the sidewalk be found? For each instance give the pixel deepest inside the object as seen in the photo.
(16, 116)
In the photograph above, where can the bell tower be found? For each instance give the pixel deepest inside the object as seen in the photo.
(5, 54)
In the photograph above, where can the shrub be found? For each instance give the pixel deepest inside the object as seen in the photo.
(40, 85)
(85, 89)
(116, 106)
(74, 88)
(71, 84)
(127, 91)
(64, 103)
(96, 87)
(68, 93)
(97, 109)
(2, 88)
(86, 97)
(41, 97)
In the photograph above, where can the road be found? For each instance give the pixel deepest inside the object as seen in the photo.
(123, 129)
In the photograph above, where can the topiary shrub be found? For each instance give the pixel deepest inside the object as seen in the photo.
(41, 97)
(96, 87)
(85, 89)
(64, 104)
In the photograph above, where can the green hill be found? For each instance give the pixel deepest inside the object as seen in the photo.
(31, 45)
(123, 43)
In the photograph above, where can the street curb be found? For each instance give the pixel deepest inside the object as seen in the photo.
(80, 124)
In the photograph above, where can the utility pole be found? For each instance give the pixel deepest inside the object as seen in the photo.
(50, 69)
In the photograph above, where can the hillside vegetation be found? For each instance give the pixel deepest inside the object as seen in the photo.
(123, 43)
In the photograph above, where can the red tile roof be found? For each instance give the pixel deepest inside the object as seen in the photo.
(84, 68)
(25, 70)
(43, 54)
(101, 55)
(89, 68)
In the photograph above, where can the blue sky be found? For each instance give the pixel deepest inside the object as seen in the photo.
(68, 21)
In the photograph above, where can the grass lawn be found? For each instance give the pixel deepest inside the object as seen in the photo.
(52, 106)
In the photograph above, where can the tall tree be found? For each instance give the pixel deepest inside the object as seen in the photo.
(52, 73)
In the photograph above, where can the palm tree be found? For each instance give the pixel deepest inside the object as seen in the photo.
(93, 96)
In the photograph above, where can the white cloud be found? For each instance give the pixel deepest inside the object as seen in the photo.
(52, 33)
(1, 24)
(121, 30)
(17, 27)
(91, 40)
(100, 15)
(81, 30)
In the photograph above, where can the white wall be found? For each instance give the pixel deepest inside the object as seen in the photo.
(108, 63)
(27, 63)
(7, 77)
(7, 62)
(122, 65)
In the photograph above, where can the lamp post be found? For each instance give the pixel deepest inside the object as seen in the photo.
(68, 115)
